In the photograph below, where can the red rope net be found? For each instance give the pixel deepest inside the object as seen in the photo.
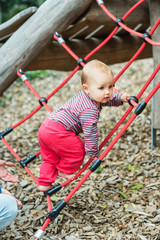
(53, 213)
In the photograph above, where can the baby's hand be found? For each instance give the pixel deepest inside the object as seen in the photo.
(124, 97)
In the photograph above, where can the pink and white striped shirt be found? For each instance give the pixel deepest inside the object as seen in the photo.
(81, 114)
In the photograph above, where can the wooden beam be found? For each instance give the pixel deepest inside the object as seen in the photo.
(154, 6)
(35, 35)
(118, 49)
(7, 28)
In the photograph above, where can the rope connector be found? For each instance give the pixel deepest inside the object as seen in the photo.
(100, 2)
(145, 35)
(79, 61)
(95, 165)
(58, 37)
(119, 20)
(42, 99)
(134, 99)
(25, 162)
(5, 132)
(53, 190)
(140, 108)
(39, 234)
(21, 74)
(54, 212)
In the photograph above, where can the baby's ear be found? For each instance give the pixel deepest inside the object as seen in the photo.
(85, 88)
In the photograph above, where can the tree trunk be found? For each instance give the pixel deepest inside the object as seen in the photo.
(35, 35)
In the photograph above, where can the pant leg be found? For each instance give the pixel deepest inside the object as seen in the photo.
(72, 153)
(8, 210)
(60, 149)
(48, 171)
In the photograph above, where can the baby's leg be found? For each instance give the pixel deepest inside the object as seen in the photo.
(45, 188)
(67, 176)
(72, 154)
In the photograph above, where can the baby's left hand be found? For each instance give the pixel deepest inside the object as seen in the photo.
(124, 97)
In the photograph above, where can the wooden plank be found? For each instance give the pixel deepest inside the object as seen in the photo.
(14, 23)
(154, 6)
(35, 35)
(115, 51)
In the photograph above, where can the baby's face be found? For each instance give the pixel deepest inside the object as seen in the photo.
(99, 86)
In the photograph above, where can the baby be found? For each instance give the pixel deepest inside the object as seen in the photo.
(62, 150)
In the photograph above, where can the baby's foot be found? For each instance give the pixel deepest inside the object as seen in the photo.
(44, 188)
(67, 176)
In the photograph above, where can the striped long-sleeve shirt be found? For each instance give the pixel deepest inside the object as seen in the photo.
(81, 114)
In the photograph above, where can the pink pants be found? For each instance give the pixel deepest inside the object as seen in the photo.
(61, 150)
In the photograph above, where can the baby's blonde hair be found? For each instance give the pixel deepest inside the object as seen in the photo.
(94, 64)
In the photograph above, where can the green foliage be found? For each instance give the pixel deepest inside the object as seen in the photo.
(136, 187)
(32, 75)
(132, 168)
(12, 7)
(4, 99)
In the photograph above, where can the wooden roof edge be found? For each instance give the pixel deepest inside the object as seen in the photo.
(87, 19)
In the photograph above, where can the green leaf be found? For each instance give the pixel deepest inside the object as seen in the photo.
(56, 199)
(99, 170)
(131, 168)
(135, 191)
(99, 194)
(123, 195)
(104, 206)
(137, 186)
(120, 186)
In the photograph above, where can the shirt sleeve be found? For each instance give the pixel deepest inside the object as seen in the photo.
(114, 101)
(89, 119)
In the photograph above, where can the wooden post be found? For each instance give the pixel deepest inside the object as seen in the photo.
(35, 35)
(154, 6)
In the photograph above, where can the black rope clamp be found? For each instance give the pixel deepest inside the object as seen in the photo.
(145, 35)
(54, 212)
(53, 190)
(42, 99)
(132, 98)
(25, 162)
(140, 108)
(95, 165)
(79, 61)
(5, 132)
(119, 20)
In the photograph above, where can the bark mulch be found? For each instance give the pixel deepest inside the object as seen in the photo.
(121, 201)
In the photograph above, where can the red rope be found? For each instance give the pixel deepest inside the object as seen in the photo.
(64, 82)
(127, 28)
(45, 225)
(11, 150)
(27, 117)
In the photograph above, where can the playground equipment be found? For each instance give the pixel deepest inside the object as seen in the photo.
(139, 107)
(85, 25)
